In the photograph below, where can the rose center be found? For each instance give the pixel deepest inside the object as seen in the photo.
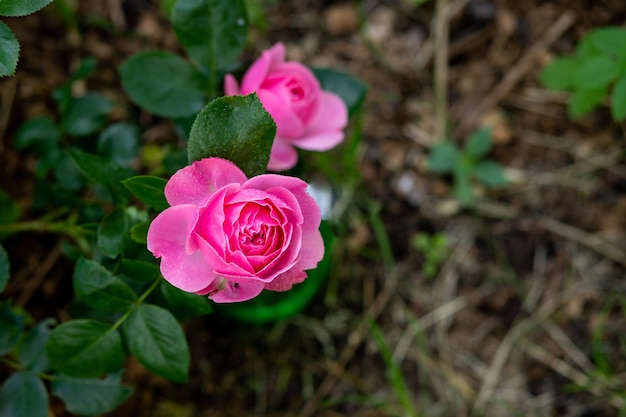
(257, 238)
(295, 90)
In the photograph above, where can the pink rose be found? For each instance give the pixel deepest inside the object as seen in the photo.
(231, 237)
(306, 116)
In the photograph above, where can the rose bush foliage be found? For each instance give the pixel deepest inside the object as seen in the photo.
(230, 237)
(306, 116)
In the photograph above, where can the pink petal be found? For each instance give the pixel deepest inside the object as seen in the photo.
(257, 72)
(333, 114)
(167, 239)
(325, 129)
(283, 156)
(267, 181)
(308, 206)
(231, 87)
(288, 124)
(277, 55)
(321, 141)
(224, 291)
(312, 250)
(286, 280)
(195, 183)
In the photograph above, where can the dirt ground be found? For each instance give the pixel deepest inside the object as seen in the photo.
(528, 306)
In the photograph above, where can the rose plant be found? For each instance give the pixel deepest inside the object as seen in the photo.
(149, 252)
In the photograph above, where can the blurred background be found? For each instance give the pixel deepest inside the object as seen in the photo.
(512, 304)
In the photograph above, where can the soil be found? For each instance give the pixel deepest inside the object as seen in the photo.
(532, 287)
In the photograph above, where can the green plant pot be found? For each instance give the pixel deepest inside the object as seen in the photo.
(272, 306)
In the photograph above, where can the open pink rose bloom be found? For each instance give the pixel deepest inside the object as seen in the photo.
(306, 116)
(230, 237)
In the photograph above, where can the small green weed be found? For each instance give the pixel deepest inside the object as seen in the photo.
(435, 249)
(467, 164)
(596, 69)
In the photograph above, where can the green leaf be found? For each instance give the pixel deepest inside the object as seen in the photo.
(559, 74)
(184, 304)
(586, 49)
(490, 173)
(32, 353)
(611, 41)
(235, 128)
(156, 339)
(21, 7)
(86, 115)
(148, 189)
(583, 101)
(85, 348)
(444, 156)
(104, 172)
(163, 83)
(9, 50)
(479, 143)
(112, 232)
(119, 142)
(618, 99)
(5, 270)
(351, 90)
(91, 397)
(212, 31)
(596, 72)
(23, 395)
(139, 232)
(65, 170)
(100, 289)
(11, 327)
(39, 134)
(462, 185)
